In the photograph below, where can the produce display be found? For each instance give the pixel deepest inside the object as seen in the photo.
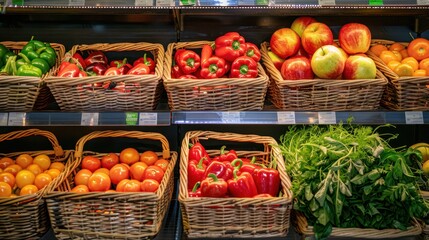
(229, 56)
(227, 175)
(27, 175)
(35, 59)
(349, 177)
(130, 171)
(307, 50)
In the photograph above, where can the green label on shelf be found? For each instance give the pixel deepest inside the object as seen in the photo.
(375, 2)
(18, 2)
(131, 118)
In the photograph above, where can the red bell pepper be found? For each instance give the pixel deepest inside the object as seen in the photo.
(213, 67)
(244, 67)
(177, 53)
(112, 71)
(196, 190)
(220, 169)
(196, 171)
(230, 46)
(213, 186)
(242, 185)
(188, 61)
(249, 167)
(229, 156)
(79, 59)
(262, 195)
(253, 51)
(187, 76)
(146, 60)
(198, 152)
(175, 71)
(139, 69)
(122, 66)
(206, 52)
(267, 180)
(96, 57)
(82, 74)
(68, 69)
(97, 68)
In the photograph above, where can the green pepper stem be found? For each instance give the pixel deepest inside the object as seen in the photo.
(200, 163)
(222, 149)
(235, 173)
(196, 186)
(239, 161)
(213, 176)
(23, 56)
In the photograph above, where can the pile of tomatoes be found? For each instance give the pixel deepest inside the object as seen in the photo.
(129, 171)
(27, 175)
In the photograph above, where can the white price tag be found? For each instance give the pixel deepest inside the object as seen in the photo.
(89, 119)
(422, 2)
(165, 3)
(326, 2)
(286, 117)
(327, 118)
(143, 3)
(148, 118)
(76, 2)
(230, 117)
(414, 117)
(16, 119)
(3, 119)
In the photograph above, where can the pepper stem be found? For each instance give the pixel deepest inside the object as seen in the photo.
(196, 186)
(22, 55)
(213, 176)
(222, 150)
(235, 161)
(200, 163)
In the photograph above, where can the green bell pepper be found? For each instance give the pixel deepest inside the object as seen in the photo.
(3, 51)
(7, 55)
(41, 64)
(49, 55)
(29, 70)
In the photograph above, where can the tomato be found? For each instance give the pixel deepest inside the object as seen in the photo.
(103, 170)
(80, 189)
(24, 160)
(28, 189)
(81, 177)
(119, 172)
(91, 163)
(7, 178)
(34, 168)
(42, 180)
(14, 169)
(418, 48)
(99, 182)
(24, 177)
(154, 172)
(43, 161)
(5, 190)
(137, 170)
(109, 160)
(5, 162)
(53, 172)
(121, 184)
(57, 165)
(148, 157)
(129, 156)
(162, 163)
(149, 185)
(131, 186)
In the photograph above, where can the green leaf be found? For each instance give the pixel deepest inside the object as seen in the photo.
(322, 231)
(339, 203)
(379, 182)
(323, 217)
(372, 210)
(397, 170)
(406, 169)
(367, 189)
(308, 193)
(359, 179)
(313, 205)
(374, 174)
(344, 189)
(361, 208)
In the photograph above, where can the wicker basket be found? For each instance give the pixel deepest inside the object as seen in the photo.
(137, 92)
(20, 93)
(402, 93)
(26, 217)
(117, 215)
(302, 227)
(235, 217)
(322, 94)
(239, 94)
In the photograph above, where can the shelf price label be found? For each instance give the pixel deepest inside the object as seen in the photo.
(375, 2)
(76, 3)
(286, 117)
(422, 2)
(3, 119)
(230, 117)
(89, 119)
(148, 119)
(143, 3)
(327, 118)
(414, 117)
(326, 2)
(16, 119)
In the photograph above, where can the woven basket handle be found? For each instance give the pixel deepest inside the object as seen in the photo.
(128, 134)
(58, 150)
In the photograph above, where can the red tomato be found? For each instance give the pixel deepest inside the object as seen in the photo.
(148, 157)
(154, 172)
(418, 48)
(149, 185)
(121, 184)
(129, 156)
(99, 182)
(137, 170)
(81, 177)
(91, 163)
(162, 163)
(132, 186)
(109, 160)
(80, 189)
(103, 170)
(119, 172)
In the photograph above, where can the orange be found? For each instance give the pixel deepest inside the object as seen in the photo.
(7, 178)
(5, 190)
(82, 177)
(393, 64)
(24, 177)
(129, 156)
(80, 189)
(103, 170)
(42, 180)
(57, 165)
(24, 160)
(43, 161)
(398, 55)
(424, 64)
(377, 49)
(53, 172)
(396, 47)
(403, 70)
(419, 73)
(412, 62)
(404, 53)
(149, 157)
(14, 169)
(35, 169)
(387, 56)
(5, 162)
(28, 189)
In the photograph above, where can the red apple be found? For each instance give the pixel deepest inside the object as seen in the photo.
(328, 62)
(296, 68)
(285, 42)
(355, 38)
(300, 23)
(359, 67)
(316, 35)
(302, 52)
(276, 60)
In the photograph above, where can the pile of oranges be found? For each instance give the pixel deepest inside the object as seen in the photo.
(411, 60)
(27, 175)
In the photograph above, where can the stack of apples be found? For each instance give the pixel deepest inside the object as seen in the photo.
(405, 61)
(307, 50)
